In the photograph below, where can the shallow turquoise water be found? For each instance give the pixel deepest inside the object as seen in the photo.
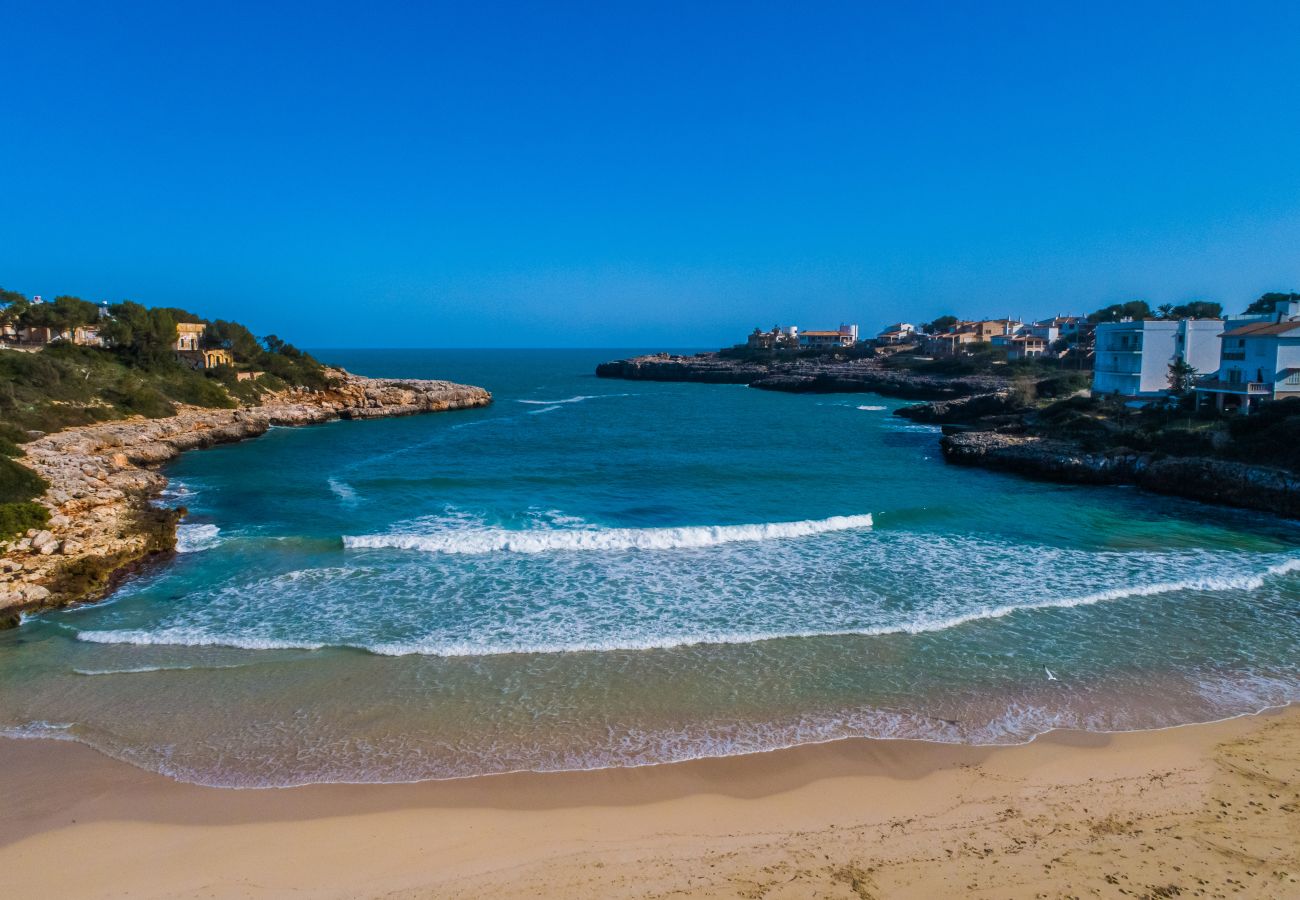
(596, 572)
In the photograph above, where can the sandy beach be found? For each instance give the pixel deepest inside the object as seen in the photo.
(1210, 810)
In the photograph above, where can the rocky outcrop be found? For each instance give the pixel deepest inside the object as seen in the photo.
(803, 376)
(961, 409)
(1195, 477)
(706, 368)
(102, 479)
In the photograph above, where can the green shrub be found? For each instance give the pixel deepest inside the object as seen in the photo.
(197, 389)
(19, 483)
(140, 399)
(17, 518)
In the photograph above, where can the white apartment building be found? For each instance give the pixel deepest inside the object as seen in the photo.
(1133, 358)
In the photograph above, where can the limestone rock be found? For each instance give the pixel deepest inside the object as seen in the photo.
(102, 481)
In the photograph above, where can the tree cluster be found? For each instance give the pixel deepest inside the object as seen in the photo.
(145, 337)
(940, 325)
(1268, 303)
(61, 314)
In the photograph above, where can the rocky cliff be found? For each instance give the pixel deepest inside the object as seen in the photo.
(828, 376)
(102, 479)
(1197, 478)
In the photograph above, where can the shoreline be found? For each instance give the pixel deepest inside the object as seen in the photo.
(1002, 445)
(1196, 807)
(1204, 479)
(103, 480)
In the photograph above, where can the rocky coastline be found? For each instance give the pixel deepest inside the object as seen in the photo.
(1194, 477)
(103, 478)
(801, 376)
(987, 424)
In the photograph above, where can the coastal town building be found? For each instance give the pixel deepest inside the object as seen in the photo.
(949, 343)
(1068, 327)
(779, 338)
(898, 333)
(987, 329)
(982, 331)
(1258, 361)
(1021, 346)
(844, 336)
(1133, 357)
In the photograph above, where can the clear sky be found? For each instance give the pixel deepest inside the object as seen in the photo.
(657, 174)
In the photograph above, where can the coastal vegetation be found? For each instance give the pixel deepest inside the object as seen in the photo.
(1270, 437)
(134, 370)
(137, 370)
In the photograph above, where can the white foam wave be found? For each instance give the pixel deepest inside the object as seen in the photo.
(141, 670)
(441, 646)
(492, 540)
(544, 409)
(192, 637)
(40, 730)
(196, 537)
(872, 408)
(343, 490)
(920, 625)
(577, 399)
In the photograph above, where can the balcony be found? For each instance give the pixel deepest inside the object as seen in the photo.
(1234, 355)
(1253, 388)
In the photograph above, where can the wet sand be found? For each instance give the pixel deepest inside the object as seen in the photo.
(1210, 810)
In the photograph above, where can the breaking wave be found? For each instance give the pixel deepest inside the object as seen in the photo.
(196, 537)
(199, 636)
(496, 540)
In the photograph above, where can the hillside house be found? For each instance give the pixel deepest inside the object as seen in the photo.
(190, 350)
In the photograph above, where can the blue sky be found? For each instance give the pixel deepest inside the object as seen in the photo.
(669, 174)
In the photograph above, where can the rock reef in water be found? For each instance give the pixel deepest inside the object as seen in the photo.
(1194, 477)
(801, 376)
(102, 479)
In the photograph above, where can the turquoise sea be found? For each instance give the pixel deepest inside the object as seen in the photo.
(605, 573)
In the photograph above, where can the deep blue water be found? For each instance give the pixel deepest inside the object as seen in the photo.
(594, 572)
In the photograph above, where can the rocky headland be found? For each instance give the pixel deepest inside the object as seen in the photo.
(801, 376)
(1088, 440)
(1201, 478)
(103, 478)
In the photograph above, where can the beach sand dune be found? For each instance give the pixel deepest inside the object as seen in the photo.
(1209, 811)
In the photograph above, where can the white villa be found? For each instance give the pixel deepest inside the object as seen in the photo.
(1133, 358)
(1260, 362)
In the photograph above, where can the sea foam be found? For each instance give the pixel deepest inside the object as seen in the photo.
(343, 490)
(578, 399)
(447, 645)
(494, 540)
(195, 537)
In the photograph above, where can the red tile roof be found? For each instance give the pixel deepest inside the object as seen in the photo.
(1262, 329)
